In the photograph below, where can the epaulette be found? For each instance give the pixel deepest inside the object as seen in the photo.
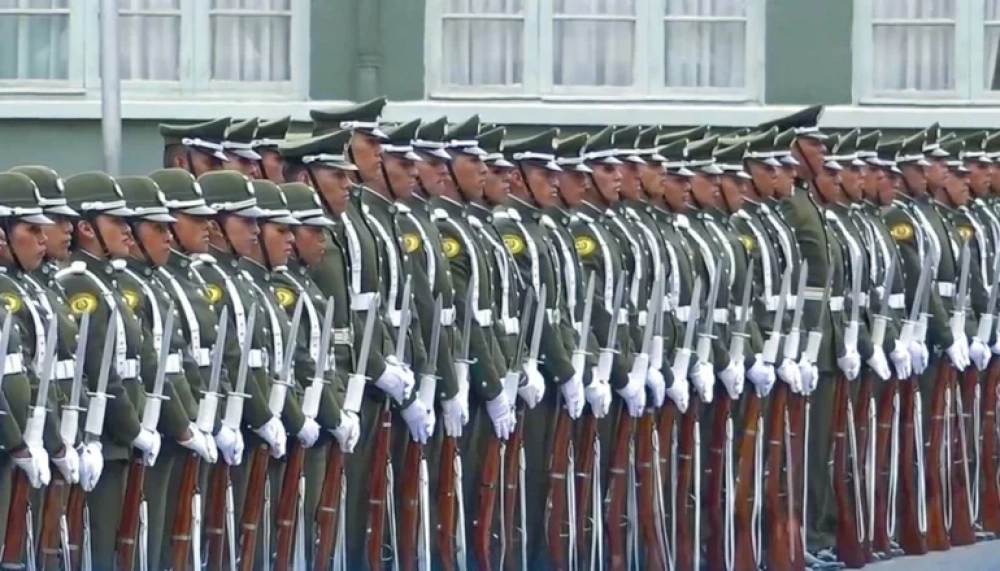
(514, 215)
(119, 264)
(681, 221)
(74, 268)
(205, 258)
(502, 215)
(586, 218)
(439, 214)
(475, 223)
(402, 208)
(548, 221)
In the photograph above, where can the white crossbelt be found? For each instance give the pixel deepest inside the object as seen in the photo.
(202, 356)
(720, 315)
(837, 303)
(129, 369)
(64, 369)
(13, 364)
(362, 301)
(448, 317)
(946, 289)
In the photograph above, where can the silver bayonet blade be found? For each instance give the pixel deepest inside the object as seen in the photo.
(588, 312)
(293, 336)
(536, 333)
(890, 276)
(991, 303)
(81, 354)
(800, 295)
(366, 338)
(522, 332)
(151, 414)
(922, 283)
(324, 339)
(855, 291)
(713, 297)
(241, 375)
(109, 350)
(435, 337)
(745, 300)
(786, 285)
(218, 351)
(466, 332)
(404, 321)
(616, 308)
(48, 361)
(651, 310)
(693, 312)
(963, 278)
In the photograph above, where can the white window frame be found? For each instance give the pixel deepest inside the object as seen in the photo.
(194, 72)
(648, 60)
(970, 88)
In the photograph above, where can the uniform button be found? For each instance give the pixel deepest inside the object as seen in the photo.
(215, 327)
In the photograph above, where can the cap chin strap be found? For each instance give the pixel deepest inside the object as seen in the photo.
(134, 226)
(91, 217)
(8, 226)
(319, 192)
(385, 177)
(527, 185)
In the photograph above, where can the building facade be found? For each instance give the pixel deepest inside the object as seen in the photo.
(891, 64)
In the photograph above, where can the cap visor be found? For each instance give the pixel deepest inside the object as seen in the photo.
(857, 163)
(320, 221)
(247, 154)
(502, 163)
(832, 165)
(895, 169)
(790, 161)
(414, 157)
(252, 212)
(635, 159)
(37, 219)
(61, 210)
(202, 210)
(711, 169)
(165, 218)
(378, 134)
(473, 150)
(119, 212)
(684, 172)
(771, 162)
(344, 166)
(439, 153)
(583, 168)
(287, 220)
(610, 161)
(658, 158)
(744, 175)
(923, 162)
(552, 166)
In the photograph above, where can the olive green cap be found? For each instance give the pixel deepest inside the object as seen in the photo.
(273, 203)
(600, 148)
(992, 145)
(868, 147)
(675, 158)
(932, 141)
(730, 159)
(701, 155)
(536, 149)
(271, 134)
(955, 149)
(181, 192)
(240, 137)
(21, 199)
(362, 117)
(783, 147)
(430, 139)
(845, 149)
(975, 143)
(760, 146)
(145, 198)
(805, 123)
(462, 138)
(569, 153)
(624, 141)
(230, 192)
(206, 137)
(92, 193)
(325, 150)
(491, 141)
(912, 150)
(646, 141)
(399, 140)
(692, 134)
(887, 152)
(51, 190)
(304, 204)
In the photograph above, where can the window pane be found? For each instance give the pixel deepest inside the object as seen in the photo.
(251, 48)
(595, 7)
(593, 53)
(483, 52)
(708, 54)
(484, 6)
(149, 39)
(915, 58)
(913, 9)
(992, 38)
(34, 46)
(716, 8)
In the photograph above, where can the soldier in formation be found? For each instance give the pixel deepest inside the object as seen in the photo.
(431, 345)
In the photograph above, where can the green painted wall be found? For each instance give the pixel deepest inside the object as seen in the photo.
(402, 49)
(333, 49)
(75, 146)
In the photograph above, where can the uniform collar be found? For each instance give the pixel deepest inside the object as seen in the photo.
(255, 268)
(592, 210)
(139, 266)
(376, 200)
(178, 260)
(523, 207)
(224, 258)
(558, 214)
(449, 205)
(97, 265)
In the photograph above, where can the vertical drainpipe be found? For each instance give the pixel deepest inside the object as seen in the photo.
(369, 60)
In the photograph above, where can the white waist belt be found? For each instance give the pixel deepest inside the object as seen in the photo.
(668, 302)
(946, 289)
(552, 315)
(203, 356)
(362, 301)
(770, 303)
(13, 364)
(129, 369)
(173, 363)
(837, 303)
(511, 326)
(864, 299)
(396, 317)
(813, 293)
(738, 312)
(64, 369)
(623, 316)
(484, 317)
(448, 317)
(256, 359)
(643, 316)
(897, 301)
(720, 315)
(342, 336)
(683, 313)
(791, 300)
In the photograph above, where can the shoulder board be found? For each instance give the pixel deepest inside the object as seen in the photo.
(119, 264)
(402, 208)
(74, 268)
(548, 221)
(742, 214)
(439, 214)
(681, 221)
(205, 258)
(475, 222)
(514, 214)
(586, 218)
(830, 215)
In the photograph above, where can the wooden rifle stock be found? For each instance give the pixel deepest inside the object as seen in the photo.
(328, 510)
(783, 527)
(584, 483)
(990, 506)
(617, 492)
(378, 488)
(797, 406)
(963, 530)
(215, 516)
(13, 541)
(556, 504)
(489, 476)
(512, 467)
(284, 515)
(684, 549)
(253, 506)
(746, 466)
(881, 542)
(937, 532)
(52, 510)
(656, 552)
(444, 539)
(715, 484)
(911, 539)
(849, 550)
(864, 403)
(409, 518)
(128, 527)
(181, 533)
(74, 524)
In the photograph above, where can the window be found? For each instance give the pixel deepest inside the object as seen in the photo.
(166, 47)
(593, 48)
(927, 50)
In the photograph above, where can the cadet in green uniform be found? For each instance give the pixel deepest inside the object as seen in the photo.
(195, 148)
(239, 149)
(101, 248)
(149, 298)
(269, 137)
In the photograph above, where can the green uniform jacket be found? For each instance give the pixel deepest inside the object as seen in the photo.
(681, 276)
(882, 251)
(842, 230)
(710, 240)
(16, 398)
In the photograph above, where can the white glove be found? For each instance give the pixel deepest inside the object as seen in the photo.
(572, 392)
(733, 377)
(149, 443)
(959, 353)
(901, 361)
(680, 393)
(69, 464)
(230, 444)
(213, 450)
(789, 372)
(634, 393)
(850, 364)
(533, 389)
(197, 443)
(309, 433)
(761, 375)
(879, 364)
(703, 377)
(499, 410)
(35, 466)
(810, 376)
(919, 357)
(453, 419)
(598, 394)
(419, 420)
(657, 386)
(273, 432)
(348, 432)
(91, 465)
(396, 382)
(979, 353)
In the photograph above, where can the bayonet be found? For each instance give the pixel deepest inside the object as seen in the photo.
(69, 424)
(851, 331)
(739, 335)
(652, 311)
(283, 381)
(908, 332)
(154, 400)
(816, 334)
(209, 403)
(234, 399)
(607, 355)
(36, 420)
(986, 320)
(470, 310)
(656, 350)
(770, 352)
(580, 355)
(357, 381)
(706, 336)
(312, 395)
(404, 323)
(94, 425)
(536, 333)
(961, 297)
(512, 379)
(882, 319)
(428, 381)
(682, 356)
(794, 336)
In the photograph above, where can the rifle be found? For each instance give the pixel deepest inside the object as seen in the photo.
(219, 512)
(496, 452)
(189, 498)
(132, 501)
(990, 509)
(19, 514)
(330, 512)
(513, 486)
(415, 497)
(53, 513)
(257, 486)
